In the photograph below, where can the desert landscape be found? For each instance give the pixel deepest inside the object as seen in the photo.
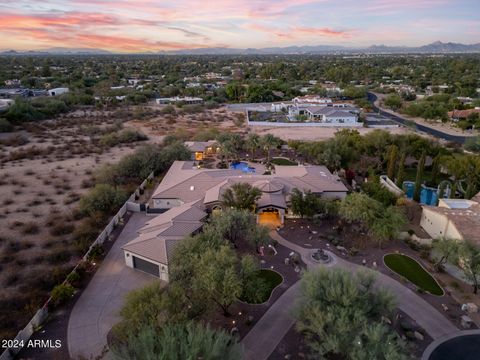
(46, 168)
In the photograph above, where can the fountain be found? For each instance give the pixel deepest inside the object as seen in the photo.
(321, 256)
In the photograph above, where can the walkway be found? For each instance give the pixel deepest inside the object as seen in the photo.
(261, 342)
(96, 311)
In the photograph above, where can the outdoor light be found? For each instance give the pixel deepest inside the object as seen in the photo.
(239, 313)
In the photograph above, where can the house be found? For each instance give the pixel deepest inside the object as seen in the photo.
(187, 195)
(177, 99)
(311, 99)
(201, 149)
(13, 82)
(457, 219)
(330, 114)
(151, 250)
(57, 91)
(463, 114)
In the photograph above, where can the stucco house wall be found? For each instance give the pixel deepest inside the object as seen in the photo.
(438, 225)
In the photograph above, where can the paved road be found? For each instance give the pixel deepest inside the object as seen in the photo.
(96, 311)
(439, 134)
(262, 340)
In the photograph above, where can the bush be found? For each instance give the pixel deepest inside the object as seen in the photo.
(104, 199)
(31, 228)
(62, 229)
(96, 253)
(62, 293)
(5, 125)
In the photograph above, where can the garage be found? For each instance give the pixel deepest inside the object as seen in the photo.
(146, 266)
(270, 218)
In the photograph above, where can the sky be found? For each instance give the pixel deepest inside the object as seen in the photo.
(154, 25)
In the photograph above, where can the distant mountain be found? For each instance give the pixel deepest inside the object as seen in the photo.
(58, 51)
(437, 47)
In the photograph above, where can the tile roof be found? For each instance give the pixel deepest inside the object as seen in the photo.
(466, 221)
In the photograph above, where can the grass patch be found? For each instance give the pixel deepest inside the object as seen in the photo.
(283, 161)
(268, 280)
(411, 270)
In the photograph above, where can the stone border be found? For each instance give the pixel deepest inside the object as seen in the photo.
(403, 277)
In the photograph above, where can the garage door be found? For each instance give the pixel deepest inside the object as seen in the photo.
(146, 266)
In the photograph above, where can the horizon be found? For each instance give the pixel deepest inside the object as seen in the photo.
(126, 26)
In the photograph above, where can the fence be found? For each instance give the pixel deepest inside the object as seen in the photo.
(40, 316)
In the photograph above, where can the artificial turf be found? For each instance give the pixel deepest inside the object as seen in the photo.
(272, 279)
(411, 270)
(283, 161)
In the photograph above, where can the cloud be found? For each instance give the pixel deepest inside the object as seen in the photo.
(300, 32)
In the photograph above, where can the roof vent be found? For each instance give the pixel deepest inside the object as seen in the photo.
(192, 188)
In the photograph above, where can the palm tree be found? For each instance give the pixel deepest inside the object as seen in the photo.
(268, 142)
(252, 144)
(242, 196)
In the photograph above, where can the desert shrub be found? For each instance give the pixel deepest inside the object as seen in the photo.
(31, 228)
(103, 198)
(58, 256)
(62, 293)
(62, 229)
(5, 125)
(87, 232)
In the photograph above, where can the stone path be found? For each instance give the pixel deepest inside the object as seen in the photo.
(264, 337)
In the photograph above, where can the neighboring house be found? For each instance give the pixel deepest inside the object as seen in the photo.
(330, 114)
(177, 99)
(457, 219)
(57, 91)
(188, 194)
(201, 149)
(311, 99)
(13, 82)
(463, 114)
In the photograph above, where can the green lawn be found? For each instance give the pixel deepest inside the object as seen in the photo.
(283, 161)
(271, 279)
(411, 270)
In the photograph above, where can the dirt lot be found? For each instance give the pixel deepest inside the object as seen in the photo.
(312, 133)
(45, 168)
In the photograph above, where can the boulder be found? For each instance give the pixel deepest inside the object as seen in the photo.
(418, 335)
(470, 308)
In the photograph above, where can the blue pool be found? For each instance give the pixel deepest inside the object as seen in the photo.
(428, 195)
(240, 165)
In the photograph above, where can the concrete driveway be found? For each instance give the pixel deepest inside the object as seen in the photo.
(96, 311)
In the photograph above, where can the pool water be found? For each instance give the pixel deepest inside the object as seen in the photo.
(243, 166)
(428, 195)
(465, 347)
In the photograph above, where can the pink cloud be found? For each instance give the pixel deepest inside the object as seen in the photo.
(299, 32)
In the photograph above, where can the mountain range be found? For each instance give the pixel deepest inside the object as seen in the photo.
(437, 47)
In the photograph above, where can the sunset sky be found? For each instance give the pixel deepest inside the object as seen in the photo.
(152, 25)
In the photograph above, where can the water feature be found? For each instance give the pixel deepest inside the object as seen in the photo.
(243, 166)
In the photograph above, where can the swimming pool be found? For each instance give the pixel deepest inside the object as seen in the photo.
(465, 347)
(428, 195)
(243, 166)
